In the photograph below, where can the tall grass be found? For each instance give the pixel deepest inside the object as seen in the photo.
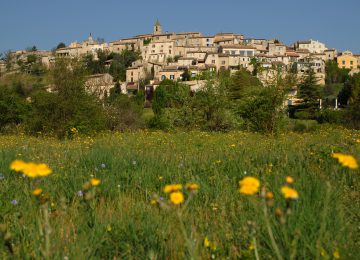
(121, 222)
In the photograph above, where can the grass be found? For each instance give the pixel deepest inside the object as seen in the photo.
(119, 220)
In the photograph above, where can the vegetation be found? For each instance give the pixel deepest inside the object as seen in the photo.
(105, 196)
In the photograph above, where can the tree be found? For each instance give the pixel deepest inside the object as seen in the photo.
(60, 45)
(120, 62)
(241, 84)
(14, 109)
(69, 105)
(309, 90)
(334, 74)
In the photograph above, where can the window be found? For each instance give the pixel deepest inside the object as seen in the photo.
(169, 51)
(223, 62)
(163, 77)
(153, 46)
(343, 62)
(207, 40)
(132, 79)
(213, 61)
(242, 53)
(168, 37)
(351, 62)
(132, 73)
(172, 76)
(233, 52)
(250, 53)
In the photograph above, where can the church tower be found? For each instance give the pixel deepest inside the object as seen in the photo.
(157, 27)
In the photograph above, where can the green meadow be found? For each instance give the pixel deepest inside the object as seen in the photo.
(128, 216)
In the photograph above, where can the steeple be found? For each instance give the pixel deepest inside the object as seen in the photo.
(157, 27)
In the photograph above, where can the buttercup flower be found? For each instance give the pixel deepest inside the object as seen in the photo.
(289, 193)
(192, 186)
(32, 170)
(177, 198)
(346, 160)
(43, 170)
(172, 188)
(18, 165)
(37, 192)
(249, 186)
(94, 182)
(289, 179)
(206, 242)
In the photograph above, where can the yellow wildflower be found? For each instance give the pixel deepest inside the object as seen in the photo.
(289, 193)
(43, 170)
(172, 188)
(94, 182)
(336, 254)
(249, 185)
(357, 140)
(18, 165)
(37, 192)
(153, 202)
(346, 160)
(269, 195)
(192, 186)
(177, 197)
(206, 242)
(289, 179)
(31, 170)
(252, 246)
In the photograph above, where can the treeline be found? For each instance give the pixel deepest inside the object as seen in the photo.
(58, 103)
(64, 107)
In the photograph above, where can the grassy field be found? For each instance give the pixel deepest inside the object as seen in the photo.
(129, 216)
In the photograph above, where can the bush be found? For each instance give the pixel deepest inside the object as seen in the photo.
(14, 109)
(330, 116)
(125, 113)
(68, 106)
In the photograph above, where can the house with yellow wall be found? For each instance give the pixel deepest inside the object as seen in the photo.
(347, 60)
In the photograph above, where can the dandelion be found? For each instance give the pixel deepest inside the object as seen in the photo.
(336, 254)
(252, 246)
(289, 179)
(43, 170)
(177, 197)
(269, 195)
(206, 242)
(18, 165)
(249, 186)
(289, 193)
(346, 160)
(103, 165)
(37, 192)
(172, 188)
(192, 186)
(94, 182)
(32, 170)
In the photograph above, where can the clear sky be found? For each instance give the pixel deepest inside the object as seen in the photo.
(45, 23)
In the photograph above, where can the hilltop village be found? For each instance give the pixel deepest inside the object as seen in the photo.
(168, 55)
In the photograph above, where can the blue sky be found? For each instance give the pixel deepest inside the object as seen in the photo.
(45, 23)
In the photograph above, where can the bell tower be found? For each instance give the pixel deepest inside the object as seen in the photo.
(157, 27)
